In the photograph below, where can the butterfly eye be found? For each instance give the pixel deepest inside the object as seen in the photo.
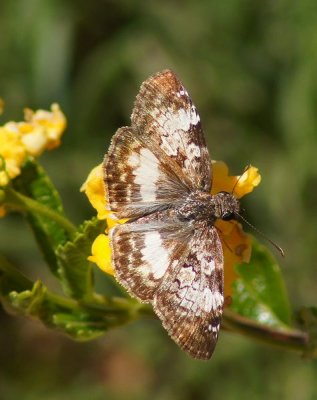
(227, 216)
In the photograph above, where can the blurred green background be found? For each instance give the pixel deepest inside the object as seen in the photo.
(251, 69)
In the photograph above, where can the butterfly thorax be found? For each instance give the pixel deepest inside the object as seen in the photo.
(204, 206)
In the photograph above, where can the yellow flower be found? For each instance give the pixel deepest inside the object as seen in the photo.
(101, 253)
(240, 184)
(95, 191)
(12, 153)
(235, 242)
(42, 129)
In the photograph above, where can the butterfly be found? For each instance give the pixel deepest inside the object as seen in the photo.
(158, 175)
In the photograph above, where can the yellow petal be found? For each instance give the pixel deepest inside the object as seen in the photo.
(12, 151)
(52, 123)
(247, 181)
(101, 254)
(241, 185)
(41, 130)
(221, 182)
(94, 189)
(35, 141)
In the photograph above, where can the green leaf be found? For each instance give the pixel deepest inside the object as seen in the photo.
(29, 302)
(70, 318)
(81, 321)
(259, 293)
(34, 183)
(81, 326)
(74, 270)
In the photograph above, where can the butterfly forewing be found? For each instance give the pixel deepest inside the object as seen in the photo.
(137, 181)
(164, 115)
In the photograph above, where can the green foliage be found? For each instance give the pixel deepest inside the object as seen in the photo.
(259, 292)
(251, 69)
(74, 270)
(79, 320)
(49, 234)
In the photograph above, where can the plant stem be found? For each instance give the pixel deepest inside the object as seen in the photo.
(18, 201)
(291, 339)
(129, 309)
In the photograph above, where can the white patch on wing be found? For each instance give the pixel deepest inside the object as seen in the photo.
(194, 116)
(133, 160)
(174, 127)
(181, 119)
(146, 171)
(193, 149)
(208, 267)
(155, 255)
(183, 92)
(186, 277)
(212, 300)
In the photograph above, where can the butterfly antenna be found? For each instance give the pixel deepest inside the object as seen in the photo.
(245, 170)
(262, 234)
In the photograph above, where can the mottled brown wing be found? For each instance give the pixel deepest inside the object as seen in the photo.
(166, 119)
(145, 249)
(190, 300)
(177, 267)
(138, 181)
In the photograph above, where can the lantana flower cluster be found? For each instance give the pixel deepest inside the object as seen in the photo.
(235, 242)
(39, 131)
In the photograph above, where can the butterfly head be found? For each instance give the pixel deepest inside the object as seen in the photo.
(227, 206)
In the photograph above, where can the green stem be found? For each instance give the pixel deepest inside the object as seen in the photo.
(20, 202)
(129, 309)
(291, 339)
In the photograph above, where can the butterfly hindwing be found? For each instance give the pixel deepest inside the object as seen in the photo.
(177, 267)
(190, 300)
(144, 250)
